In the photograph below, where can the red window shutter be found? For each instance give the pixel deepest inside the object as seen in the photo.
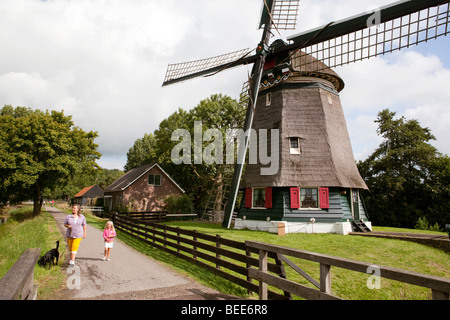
(268, 198)
(295, 198)
(248, 198)
(324, 198)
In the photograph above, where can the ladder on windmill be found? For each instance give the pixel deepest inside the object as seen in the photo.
(218, 195)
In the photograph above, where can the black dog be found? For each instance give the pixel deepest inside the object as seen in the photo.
(49, 257)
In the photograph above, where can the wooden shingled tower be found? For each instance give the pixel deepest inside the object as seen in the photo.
(294, 101)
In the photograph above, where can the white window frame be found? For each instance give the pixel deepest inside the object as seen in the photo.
(317, 201)
(154, 180)
(294, 150)
(254, 198)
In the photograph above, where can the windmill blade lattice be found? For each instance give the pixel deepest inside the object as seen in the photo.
(284, 14)
(402, 32)
(186, 70)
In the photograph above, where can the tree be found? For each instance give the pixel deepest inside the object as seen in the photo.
(407, 177)
(41, 150)
(216, 112)
(142, 152)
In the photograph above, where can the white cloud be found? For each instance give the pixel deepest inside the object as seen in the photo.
(104, 61)
(407, 82)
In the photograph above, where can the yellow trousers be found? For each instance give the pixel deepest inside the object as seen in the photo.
(74, 244)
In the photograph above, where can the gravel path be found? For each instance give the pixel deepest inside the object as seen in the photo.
(129, 275)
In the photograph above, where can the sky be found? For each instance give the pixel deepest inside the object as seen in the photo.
(104, 61)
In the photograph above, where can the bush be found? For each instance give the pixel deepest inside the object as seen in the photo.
(179, 205)
(423, 224)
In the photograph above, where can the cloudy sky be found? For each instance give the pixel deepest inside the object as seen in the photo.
(103, 62)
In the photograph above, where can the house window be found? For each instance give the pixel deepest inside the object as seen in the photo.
(154, 179)
(309, 198)
(259, 198)
(294, 144)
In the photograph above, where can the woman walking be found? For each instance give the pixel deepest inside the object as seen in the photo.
(76, 230)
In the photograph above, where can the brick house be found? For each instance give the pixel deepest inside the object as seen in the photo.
(142, 189)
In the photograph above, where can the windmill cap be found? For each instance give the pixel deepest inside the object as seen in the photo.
(304, 64)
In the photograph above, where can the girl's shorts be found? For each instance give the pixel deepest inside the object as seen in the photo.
(108, 244)
(74, 244)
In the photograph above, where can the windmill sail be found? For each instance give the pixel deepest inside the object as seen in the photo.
(404, 24)
(284, 14)
(187, 70)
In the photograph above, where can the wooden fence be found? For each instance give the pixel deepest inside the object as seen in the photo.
(440, 287)
(92, 209)
(233, 261)
(157, 216)
(17, 283)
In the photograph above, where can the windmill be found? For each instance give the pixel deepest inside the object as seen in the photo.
(311, 54)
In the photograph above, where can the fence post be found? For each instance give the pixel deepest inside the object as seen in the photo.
(439, 295)
(165, 239)
(178, 239)
(263, 268)
(248, 253)
(18, 281)
(154, 234)
(325, 278)
(218, 254)
(194, 253)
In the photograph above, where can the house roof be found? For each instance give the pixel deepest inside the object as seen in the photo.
(133, 175)
(83, 191)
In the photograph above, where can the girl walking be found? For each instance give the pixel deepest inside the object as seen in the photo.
(108, 234)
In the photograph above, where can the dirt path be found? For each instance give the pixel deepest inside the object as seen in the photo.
(129, 275)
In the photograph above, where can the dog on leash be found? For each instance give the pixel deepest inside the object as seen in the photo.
(50, 257)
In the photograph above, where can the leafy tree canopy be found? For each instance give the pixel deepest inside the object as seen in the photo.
(407, 177)
(39, 151)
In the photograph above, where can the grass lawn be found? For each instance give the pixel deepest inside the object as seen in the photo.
(22, 232)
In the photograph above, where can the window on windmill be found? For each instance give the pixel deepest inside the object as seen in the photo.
(309, 198)
(330, 99)
(154, 179)
(268, 99)
(294, 144)
(259, 198)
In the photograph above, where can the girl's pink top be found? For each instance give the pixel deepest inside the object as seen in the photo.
(109, 235)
